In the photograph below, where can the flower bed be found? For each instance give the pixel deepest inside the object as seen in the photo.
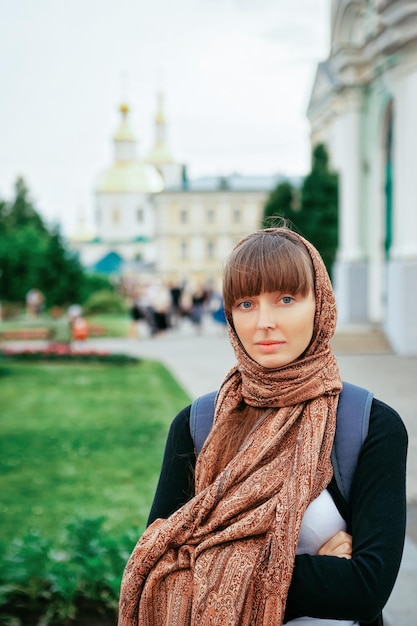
(63, 352)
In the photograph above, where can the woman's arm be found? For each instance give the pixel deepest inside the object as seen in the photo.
(176, 481)
(358, 588)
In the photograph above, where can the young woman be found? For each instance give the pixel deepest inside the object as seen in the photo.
(255, 531)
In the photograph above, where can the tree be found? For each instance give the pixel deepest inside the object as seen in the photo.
(3, 218)
(21, 211)
(319, 207)
(281, 203)
(32, 256)
(313, 212)
(21, 252)
(62, 275)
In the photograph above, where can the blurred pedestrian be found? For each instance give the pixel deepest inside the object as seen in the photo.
(79, 325)
(60, 334)
(175, 314)
(137, 317)
(198, 302)
(34, 302)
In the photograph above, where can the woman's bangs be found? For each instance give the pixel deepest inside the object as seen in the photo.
(252, 270)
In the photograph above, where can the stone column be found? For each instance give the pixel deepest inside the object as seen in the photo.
(350, 271)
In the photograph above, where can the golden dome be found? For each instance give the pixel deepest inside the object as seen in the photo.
(130, 177)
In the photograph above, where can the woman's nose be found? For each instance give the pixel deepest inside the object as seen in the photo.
(266, 318)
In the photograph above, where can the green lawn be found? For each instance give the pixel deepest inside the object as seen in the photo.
(116, 325)
(81, 441)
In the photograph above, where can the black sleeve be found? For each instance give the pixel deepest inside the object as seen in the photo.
(176, 481)
(358, 589)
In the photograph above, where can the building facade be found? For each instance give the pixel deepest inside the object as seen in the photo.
(362, 107)
(198, 224)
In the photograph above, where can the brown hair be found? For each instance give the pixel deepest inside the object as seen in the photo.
(268, 260)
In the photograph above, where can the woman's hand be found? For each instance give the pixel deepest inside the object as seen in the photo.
(339, 545)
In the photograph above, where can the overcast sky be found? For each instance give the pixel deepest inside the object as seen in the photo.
(236, 75)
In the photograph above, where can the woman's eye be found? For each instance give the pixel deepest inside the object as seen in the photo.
(245, 304)
(287, 299)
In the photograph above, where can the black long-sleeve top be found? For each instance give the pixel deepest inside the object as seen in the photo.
(326, 586)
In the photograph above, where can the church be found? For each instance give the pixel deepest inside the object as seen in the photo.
(152, 221)
(363, 108)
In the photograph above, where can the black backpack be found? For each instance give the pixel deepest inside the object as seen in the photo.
(352, 424)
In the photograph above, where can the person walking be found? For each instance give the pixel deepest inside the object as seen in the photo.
(254, 530)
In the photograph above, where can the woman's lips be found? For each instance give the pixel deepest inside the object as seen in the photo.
(269, 346)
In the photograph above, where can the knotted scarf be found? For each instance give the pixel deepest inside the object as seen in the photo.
(226, 557)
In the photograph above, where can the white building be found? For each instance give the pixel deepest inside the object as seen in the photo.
(363, 107)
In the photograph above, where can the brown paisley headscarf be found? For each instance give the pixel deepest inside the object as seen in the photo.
(226, 557)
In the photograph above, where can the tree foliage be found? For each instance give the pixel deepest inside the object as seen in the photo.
(33, 256)
(21, 212)
(316, 217)
(319, 201)
(282, 203)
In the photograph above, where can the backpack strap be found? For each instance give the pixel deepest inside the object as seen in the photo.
(352, 425)
(201, 418)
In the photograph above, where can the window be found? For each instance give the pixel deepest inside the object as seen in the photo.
(183, 250)
(183, 216)
(115, 218)
(210, 249)
(140, 214)
(237, 216)
(210, 216)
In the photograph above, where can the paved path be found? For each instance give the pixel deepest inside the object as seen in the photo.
(199, 363)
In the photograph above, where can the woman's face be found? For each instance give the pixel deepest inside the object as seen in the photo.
(274, 328)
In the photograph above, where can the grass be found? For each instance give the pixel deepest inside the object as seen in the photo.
(81, 441)
(116, 325)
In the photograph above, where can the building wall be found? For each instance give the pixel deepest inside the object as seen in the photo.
(123, 216)
(195, 231)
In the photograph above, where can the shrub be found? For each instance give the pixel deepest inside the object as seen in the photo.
(104, 301)
(57, 585)
(11, 310)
